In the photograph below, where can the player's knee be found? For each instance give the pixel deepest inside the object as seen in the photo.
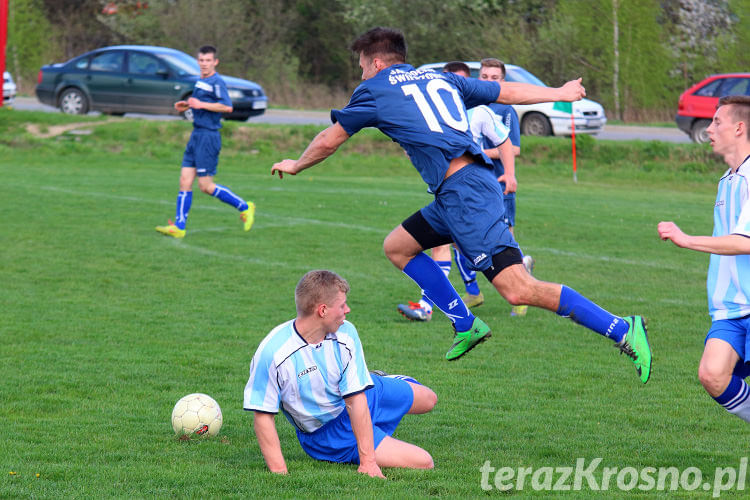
(714, 381)
(425, 461)
(429, 399)
(207, 188)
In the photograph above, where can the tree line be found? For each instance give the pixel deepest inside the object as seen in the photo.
(635, 56)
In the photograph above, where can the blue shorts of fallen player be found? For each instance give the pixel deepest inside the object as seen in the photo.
(735, 332)
(202, 151)
(389, 400)
(469, 207)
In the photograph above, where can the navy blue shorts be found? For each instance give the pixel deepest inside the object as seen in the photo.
(202, 151)
(509, 217)
(735, 332)
(389, 400)
(469, 209)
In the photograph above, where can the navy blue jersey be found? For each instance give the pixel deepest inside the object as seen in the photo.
(510, 118)
(423, 111)
(211, 89)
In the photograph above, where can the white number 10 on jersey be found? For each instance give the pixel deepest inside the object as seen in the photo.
(433, 92)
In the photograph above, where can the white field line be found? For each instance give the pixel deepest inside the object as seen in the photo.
(280, 220)
(289, 221)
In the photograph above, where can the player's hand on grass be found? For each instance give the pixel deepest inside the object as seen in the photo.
(284, 167)
(181, 106)
(573, 91)
(510, 183)
(371, 470)
(670, 231)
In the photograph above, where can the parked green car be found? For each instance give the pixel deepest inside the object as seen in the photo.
(136, 79)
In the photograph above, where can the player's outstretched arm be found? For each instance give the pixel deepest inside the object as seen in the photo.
(216, 107)
(359, 415)
(509, 165)
(268, 440)
(322, 146)
(526, 93)
(730, 244)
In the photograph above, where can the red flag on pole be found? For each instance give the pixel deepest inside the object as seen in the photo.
(3, 36)
(573, 145)
(567, 107)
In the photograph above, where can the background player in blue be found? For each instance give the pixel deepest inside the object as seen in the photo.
(425, 112)
(724, 364)
(314, 370)
(209, 100)
(492, 69)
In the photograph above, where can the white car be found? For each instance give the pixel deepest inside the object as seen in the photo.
(545, 118)
(9, 89)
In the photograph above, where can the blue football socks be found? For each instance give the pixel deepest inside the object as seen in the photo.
(584, 312)
(735, 398)
(430, 278)
(467, 274)
(184, 200)
(425, 301)
(227, 196)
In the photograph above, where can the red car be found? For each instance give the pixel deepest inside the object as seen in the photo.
(697, 104)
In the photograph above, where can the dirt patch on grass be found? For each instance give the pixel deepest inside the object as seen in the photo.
(45, 132)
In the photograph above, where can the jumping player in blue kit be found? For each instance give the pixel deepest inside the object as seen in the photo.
(209, 100)
(425, 112)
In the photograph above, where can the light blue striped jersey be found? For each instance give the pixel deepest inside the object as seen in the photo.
(487, 129)
(728, 283)
(308, 382)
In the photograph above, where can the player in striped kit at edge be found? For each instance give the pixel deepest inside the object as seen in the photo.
(724, 364)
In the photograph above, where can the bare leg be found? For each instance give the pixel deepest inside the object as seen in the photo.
(392, 452)
(424, 399)
(518, 287)
(716, 366)
(400, 247)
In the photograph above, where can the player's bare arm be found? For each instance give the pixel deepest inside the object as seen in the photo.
(322, 146)
(505, 151)
(268, 440)
(730, 244)
(526, 93)
(359, 415)
(181, 106)
(209, 106)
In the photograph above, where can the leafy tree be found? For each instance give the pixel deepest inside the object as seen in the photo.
(27, 44)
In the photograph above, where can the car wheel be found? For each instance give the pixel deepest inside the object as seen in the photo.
(74, 102)
(536, 124)
(698, 131)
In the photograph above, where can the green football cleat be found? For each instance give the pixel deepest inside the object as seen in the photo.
(248, 216)
(464, 342)
(635, 345)
(171, 230)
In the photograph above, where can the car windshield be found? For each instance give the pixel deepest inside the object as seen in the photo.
(182, 63)
(519, 74)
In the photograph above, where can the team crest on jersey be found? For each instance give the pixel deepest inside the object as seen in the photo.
(306, 371)
(720, 203)
(203, 86)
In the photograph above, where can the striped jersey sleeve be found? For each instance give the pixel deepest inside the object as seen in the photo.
(728, 281)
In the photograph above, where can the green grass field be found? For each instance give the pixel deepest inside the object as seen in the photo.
(106, 324)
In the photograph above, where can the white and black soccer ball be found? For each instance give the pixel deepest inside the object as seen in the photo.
(197, 414)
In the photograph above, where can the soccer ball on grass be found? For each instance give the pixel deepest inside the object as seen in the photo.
(197, 413)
